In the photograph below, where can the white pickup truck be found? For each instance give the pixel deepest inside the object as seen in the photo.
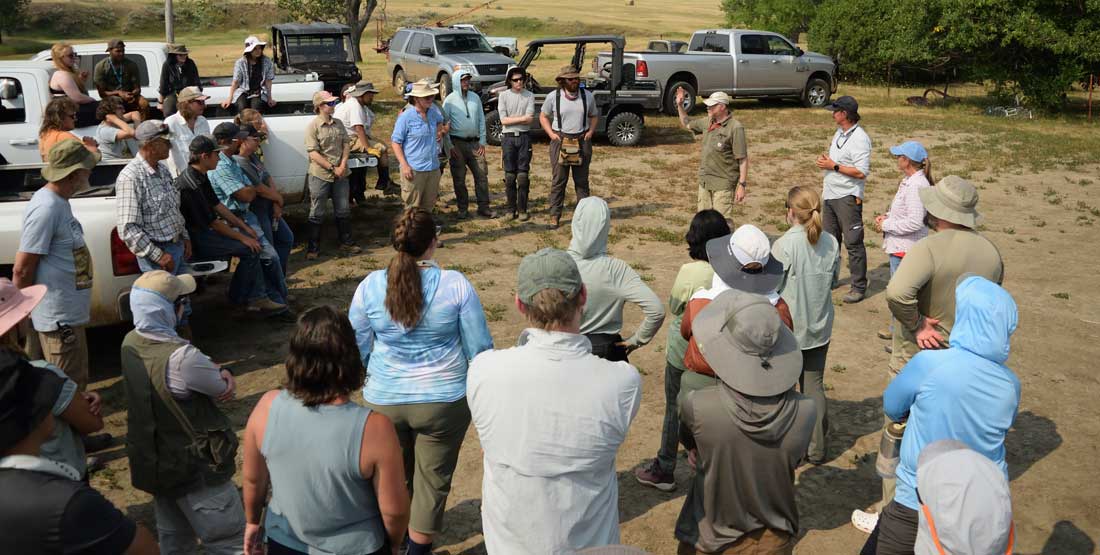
(291, 90)
(24, 91)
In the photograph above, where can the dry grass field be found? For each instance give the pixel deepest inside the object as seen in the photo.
(1039, 183)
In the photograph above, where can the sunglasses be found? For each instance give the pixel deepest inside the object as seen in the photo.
(332, 102)
(514, 79)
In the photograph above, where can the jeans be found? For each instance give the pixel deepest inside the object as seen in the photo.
(269, 259)
(670, 430)
(213, 514)
(176, 250)
(463, 158)
(843, 218)
(249, 280)
(319, 193)
(277, 232)
(812, 384)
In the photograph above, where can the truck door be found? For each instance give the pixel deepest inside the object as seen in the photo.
(20, 115)
(717, 73)
(785, 73)
(755, 64)
(424, 65)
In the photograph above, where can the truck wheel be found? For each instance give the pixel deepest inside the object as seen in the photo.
(816, 94)
(493, 128)
(399, 81)
(670, 97)
(444, 86)
(625, 129)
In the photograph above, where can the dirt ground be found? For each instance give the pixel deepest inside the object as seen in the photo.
(1038, 187)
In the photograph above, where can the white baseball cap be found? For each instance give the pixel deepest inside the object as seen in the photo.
(718, 98)
(730, 254)
(252, 42)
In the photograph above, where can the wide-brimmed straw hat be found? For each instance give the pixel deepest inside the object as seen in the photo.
(421, 89)
(953, 199)
(568, 72)
(178, 49)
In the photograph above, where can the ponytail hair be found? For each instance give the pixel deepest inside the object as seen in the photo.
(413, 234)
(805, 204)
(927, 167)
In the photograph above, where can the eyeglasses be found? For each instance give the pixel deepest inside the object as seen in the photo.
(514, 79)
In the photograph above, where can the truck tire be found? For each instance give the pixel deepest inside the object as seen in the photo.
(625, 129)
(493, 128)
(816, 94)
(444, 86)
(670, 97)
(399, 81)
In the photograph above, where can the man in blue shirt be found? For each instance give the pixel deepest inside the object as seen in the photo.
(415, 140)
(467, 121)
(964, 393)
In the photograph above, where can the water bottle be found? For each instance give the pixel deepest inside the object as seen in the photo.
(889, 450)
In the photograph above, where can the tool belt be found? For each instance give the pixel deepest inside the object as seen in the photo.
(570, 152)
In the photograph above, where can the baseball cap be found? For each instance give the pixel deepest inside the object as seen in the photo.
(115, 43)
(151, 129)
(27, 397)
(191, 93)
(66, 157)
(203, 144)
(322, 97)
(911, 150)
(746, 344)
(547, 269)
(171, 286)
(227, 131)
(718, 97)
(844, 103)
(730, 254)
(252, 42)
(16, 304)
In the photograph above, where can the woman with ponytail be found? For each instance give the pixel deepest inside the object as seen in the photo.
(417, 327)
(811, 265)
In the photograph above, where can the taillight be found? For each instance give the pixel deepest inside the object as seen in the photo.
(123, 262)
(641, 69)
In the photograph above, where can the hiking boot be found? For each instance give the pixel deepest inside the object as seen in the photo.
(888, 349)
(524, 216)
(264, 304)
(864, 521)
(463, 214)
(514, 214)
(885, 334)
(853, 297)
(486, 213)
(392, 190)
(313, 248)
(651, 475)
(384, 180)
(94, 464)
(97, 442)
(350, 248)
(555, 222)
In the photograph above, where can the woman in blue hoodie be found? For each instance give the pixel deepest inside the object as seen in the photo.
(418, 326)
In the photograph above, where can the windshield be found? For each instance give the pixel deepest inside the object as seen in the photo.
(466, 43)
(317, 48)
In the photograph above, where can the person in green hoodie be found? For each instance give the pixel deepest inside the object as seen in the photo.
(611, 283)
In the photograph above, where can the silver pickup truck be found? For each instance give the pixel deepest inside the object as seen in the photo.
(743, 63)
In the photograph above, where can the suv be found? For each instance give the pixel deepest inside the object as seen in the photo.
(437, 52)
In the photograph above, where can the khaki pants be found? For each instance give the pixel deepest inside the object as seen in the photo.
(757, 542)
(722, 201)
(71, 358)
(422, 191)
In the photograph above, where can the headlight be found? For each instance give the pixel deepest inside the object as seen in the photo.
(469, 68)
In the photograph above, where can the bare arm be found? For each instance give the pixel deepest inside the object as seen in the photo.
(255, 479)
(361, 134)
(79, 415)
(26, 264)
(228, 215)
(544, 121)
(381, 461)
(245, 194)
(680, 94)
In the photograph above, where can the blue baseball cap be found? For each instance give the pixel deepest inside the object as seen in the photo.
(911, 150)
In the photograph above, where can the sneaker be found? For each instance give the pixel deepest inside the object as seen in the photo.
(265, 304)
(864, 521)
(853, 296)
(350, 248)
(392, 190)
(651, 475)
(885, 333)
(486, 213)
(888, 349)
(94, 464)
(97, 442)
(524, 216)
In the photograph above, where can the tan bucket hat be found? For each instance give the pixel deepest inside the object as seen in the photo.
(190, 93)
(178, 49)
(171, 286)
(422, 89)
(66, 157)
(568, 72)
(953, 199)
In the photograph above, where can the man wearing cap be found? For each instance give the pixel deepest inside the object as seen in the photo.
(569, 116)
(551, 417)
(463, 111)
(219, 233)
(724, 160)
(253, 74)
(964, 392)
(358, 119)
(119, 76)
(46, 507)
(416, 138)
(187, 123)
(846, 169)
(52, 252)
(746, 436)
(180, 444)
(177, 73)
(329, 146)
(516, 109)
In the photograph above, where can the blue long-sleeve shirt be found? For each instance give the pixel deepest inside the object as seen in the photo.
(428, 363)
(965, 392)
(464, 112)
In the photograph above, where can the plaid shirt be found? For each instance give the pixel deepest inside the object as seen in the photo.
(148, 205)
(227, 179)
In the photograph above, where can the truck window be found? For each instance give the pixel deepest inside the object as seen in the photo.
(779, 47)
(716, 43)
(398, 42)
(12, 108)
(754, 44)
(696, 42)
(88, 62)
(418, 41)
(465, 43)
(317, 48)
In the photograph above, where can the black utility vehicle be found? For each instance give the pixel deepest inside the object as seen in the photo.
(324, 48)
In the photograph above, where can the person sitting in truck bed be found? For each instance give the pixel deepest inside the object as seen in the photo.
(253, 74)
(118, 76)
(115, 142)
(58, 122)
(66, 81)
(178, 73)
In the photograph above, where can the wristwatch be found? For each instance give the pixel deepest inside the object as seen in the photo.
(743, 184)
(836, 167)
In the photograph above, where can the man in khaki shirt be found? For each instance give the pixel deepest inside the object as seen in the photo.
(328, 146)
(724, 161)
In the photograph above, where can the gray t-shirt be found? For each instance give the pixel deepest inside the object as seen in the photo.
(64, 266)
(572, 116)
(111, 146)
(63, 445)
(511, 104)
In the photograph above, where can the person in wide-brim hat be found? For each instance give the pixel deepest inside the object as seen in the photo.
(67, 157)
(421, 89)
(953, 199)
(178, 49)
(568, 72)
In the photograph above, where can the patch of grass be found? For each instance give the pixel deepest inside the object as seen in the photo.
(1009, 230)
(495, 312)
(1063, 296)
(1021, 189)
(652, 233)
(870, 244)
(839, 368)
(615, 173)
(467, 269)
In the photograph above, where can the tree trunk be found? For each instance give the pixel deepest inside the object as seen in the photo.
(358, 23)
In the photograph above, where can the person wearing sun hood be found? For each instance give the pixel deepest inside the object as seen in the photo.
(611, 283)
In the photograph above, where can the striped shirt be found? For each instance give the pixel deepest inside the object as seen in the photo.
(148, 208)
(226, 179)
(242, 73)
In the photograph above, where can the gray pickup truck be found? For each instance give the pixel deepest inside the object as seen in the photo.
(743, 63)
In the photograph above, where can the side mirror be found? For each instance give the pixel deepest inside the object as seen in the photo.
(800, 52)
(9, 89)
(427, 51)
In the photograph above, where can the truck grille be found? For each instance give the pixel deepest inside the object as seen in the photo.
(492, 69)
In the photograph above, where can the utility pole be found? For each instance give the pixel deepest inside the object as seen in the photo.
(169, 30)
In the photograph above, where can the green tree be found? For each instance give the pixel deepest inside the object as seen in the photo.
(353, 13)
(788, 17)
(12, 13)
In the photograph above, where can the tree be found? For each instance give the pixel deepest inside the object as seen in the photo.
(12, 13)
(788, 17)
(353, 13)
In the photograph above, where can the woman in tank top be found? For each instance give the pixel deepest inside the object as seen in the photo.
(334, 467)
